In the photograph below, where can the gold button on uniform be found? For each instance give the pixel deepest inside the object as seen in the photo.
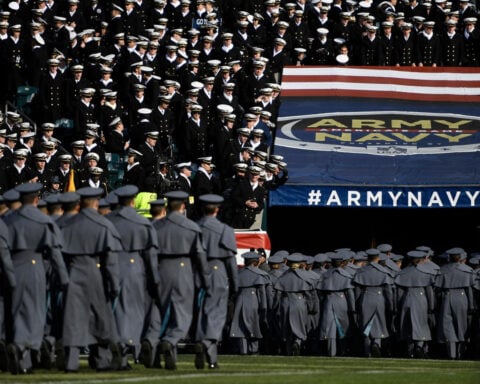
(215, 267)
(182, 264)
(98, 265)
(132, 261)
(34, 261)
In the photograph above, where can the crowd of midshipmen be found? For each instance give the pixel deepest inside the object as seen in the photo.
(174, 81)
(77, 277)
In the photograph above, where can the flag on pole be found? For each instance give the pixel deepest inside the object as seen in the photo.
(70, 186)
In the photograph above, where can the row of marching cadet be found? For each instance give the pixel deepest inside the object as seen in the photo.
(370, 303)
(128, 290)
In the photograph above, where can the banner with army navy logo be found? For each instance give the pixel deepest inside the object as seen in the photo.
(380, 137)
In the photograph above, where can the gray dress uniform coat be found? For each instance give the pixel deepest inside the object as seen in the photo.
(338, 302)
(455, 282)
(181, 261)
(415, 300)
(33, 236)
(7, 279)
(91, 250)
(221, 247)
(295, 298)
(251, 304)
(375, 301)
(138, 264)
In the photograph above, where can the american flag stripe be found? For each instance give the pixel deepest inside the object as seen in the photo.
(426, 84)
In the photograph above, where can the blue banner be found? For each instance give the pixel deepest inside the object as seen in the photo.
(356, 152)
(376, 197)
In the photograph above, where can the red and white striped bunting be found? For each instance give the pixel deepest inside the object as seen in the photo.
(426, 84)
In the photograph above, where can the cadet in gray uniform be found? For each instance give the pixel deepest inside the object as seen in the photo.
(138, 264)
(182, 262)
(338, 305)
(7, 283)
(388, 262)
(221, 247)
(251, 306)
(416, 304)
(295, 299)
(91, 247)
(455, 285)
(33, 237)
(474, 314)
(70, 204)
(375, 303)
(312, 346)
(277, 268)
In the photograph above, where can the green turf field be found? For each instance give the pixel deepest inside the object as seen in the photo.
(277, 369)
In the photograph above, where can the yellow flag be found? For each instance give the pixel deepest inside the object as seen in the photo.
(70, 187)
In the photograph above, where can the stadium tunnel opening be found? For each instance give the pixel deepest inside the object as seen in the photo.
(313, 230)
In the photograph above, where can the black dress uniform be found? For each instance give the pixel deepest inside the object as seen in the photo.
(372, 52)
(16, 176)
(300, 33)
(406, 49)
(387, 43)
(84, 113)
(246, 191)
(164, 122)
(471, 41)
(51, 96)
(205, 182)
(72, 92)
(150, 156)
(196, 139)
(452, 47)
(134, 174)
(14, 53)
(429, 49)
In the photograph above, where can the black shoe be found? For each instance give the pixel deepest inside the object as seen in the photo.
(59, 358)
(295, 349)
(146, 354)
(13, 358)
(127, 367)
(104, 369)
(213, 366)
(168, 354)
(46, 355)
(418, 353)
(376, 351)
(116, 363)
(25, 371)
(199, 356)
(3, 357)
